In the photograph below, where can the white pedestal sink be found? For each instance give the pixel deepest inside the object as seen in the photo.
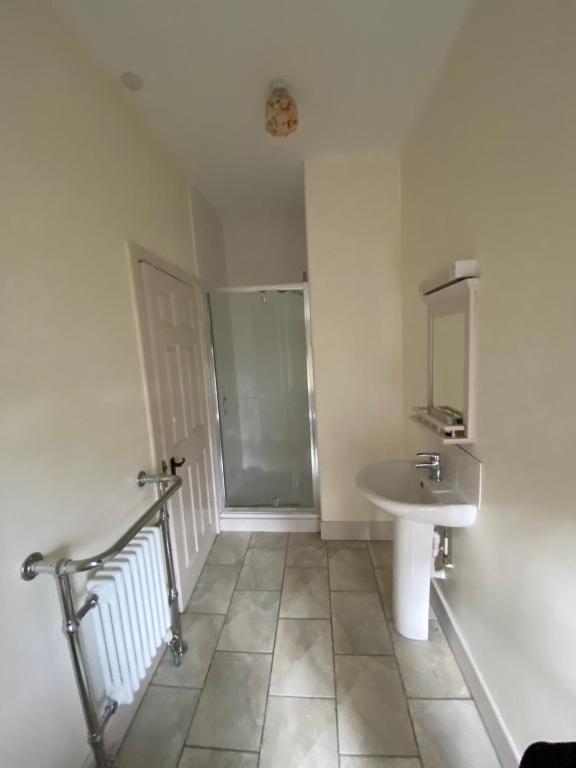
(418, 504)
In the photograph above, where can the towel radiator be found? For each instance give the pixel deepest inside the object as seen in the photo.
(128, 633)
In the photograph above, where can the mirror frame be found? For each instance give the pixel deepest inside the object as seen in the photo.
(458, 297)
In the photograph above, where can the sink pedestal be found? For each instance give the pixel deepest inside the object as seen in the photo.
(413, 544)
(418, 503)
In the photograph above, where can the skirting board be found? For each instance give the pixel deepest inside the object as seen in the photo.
(364, 530)
(256, 523)
(495, 725)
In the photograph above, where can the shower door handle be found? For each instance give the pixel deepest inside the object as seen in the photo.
(224, 406)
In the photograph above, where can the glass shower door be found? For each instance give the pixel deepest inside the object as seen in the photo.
(260, 352)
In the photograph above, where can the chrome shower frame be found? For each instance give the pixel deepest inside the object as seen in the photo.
(276, 512)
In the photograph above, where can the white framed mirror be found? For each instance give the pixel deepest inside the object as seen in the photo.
(449, 411)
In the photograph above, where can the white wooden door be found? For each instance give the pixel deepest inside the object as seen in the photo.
(177, 336)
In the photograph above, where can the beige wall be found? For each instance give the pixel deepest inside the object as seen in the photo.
(80, 175)
(490, 172)
(353, 216)
(265, 247)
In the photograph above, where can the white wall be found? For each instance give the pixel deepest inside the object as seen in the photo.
(265, 247)
(490, 172)
(80, 175)
(208, 241)
(353, 218)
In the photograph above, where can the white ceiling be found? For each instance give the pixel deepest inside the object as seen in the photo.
(360, 70)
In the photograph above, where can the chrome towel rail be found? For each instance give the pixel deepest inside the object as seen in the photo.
(36, 564)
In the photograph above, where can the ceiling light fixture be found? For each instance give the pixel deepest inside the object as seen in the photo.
(281, 111)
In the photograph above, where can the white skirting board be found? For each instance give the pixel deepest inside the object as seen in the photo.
(495, 725)
(364, 530)
(257, 522)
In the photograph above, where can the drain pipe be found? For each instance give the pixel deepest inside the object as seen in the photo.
(441, 547)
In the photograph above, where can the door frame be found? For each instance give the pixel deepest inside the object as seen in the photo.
(137, 255)
(272, 514)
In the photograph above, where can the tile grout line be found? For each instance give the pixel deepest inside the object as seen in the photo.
(222, 749)
(300, 696)
(151, 684)
(393, 654)
(338, 758)
(261, 549)
(395, 657)
(177, 764)
(259, 761)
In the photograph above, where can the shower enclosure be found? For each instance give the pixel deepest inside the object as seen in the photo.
(264, 384)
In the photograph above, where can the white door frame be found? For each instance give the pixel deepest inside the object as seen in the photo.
(136, 255)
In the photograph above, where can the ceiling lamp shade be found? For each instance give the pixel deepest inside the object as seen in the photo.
(281, 112)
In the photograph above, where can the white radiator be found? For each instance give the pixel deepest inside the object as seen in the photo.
(131, 619)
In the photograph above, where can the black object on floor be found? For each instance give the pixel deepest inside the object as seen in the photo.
(544, 755)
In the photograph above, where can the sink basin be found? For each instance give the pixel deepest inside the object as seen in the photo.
(401, 490)
(418, 504)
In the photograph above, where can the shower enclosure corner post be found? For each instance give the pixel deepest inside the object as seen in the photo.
(217, 425)
(176, 644)
(311, 398)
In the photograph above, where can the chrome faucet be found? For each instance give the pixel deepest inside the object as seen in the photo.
(434, 465)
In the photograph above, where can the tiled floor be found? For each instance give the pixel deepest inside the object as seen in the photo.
(293, 663)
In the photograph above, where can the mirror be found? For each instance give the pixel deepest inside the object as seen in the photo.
(449, 362)
(451, 375)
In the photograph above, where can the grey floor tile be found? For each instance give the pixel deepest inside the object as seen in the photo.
(303, 664)
(304, 538)
(305, 594)
(351, 570)
(373, 716)
(386, 588)
(268, 540)
(200, 631)
(262, 569)
(215, 758)
(230, 712)
(158, 731)
(381, 553)
(229, 549)
(214, 589)
(336, 544)
(379, 762)
(251, 622)
(359, 624)
(428, 667)
(300, 733)
(451, 735)
(307, 554)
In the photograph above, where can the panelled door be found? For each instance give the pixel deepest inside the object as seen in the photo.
(177, 338)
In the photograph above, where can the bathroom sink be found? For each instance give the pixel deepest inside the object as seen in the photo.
(417, 504)
(401, 490)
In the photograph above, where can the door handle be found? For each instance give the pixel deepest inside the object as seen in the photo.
(175, 464)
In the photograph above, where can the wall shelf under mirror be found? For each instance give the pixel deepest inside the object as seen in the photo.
(451, 300)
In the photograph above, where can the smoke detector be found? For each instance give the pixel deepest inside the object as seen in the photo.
(131, 81)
